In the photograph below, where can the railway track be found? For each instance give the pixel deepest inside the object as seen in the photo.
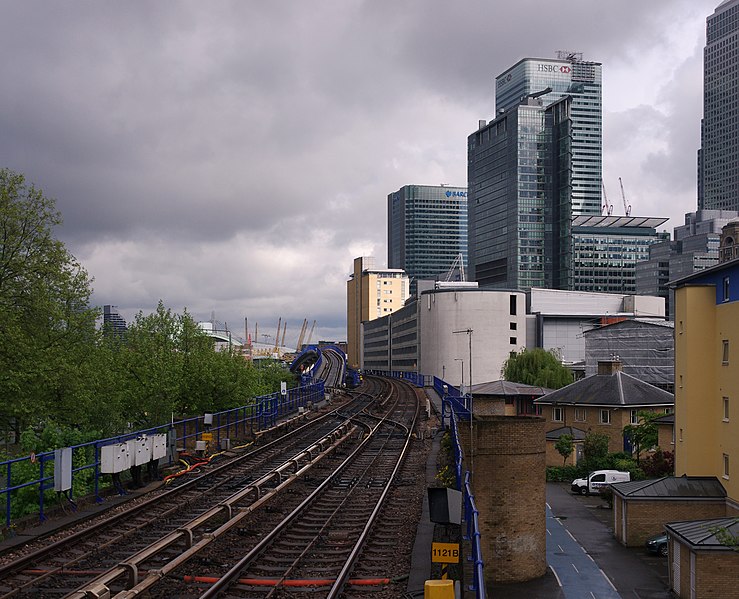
(181, 517)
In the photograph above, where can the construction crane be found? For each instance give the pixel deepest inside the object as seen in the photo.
(627, 207)
(458, 263)
(310, 335)
(284, 331)
(607, 208)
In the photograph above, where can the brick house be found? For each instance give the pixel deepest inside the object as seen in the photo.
(604, 403)
(642, 508)
(700, 564)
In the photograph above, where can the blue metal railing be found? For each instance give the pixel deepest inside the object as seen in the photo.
(453, 406)
(471, 515)
(263, 413)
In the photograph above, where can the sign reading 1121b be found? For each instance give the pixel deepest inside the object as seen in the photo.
(445, 553)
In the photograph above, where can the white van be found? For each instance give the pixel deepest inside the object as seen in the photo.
(598, 480)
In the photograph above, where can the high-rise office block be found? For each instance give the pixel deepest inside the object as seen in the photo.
(371, 293)
(695, 247)
(718, 158)
(534, 180)
(572, 77)
(519, 220)
(426, 230)
(113, 322)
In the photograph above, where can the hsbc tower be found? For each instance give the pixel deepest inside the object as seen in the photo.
(568, 75)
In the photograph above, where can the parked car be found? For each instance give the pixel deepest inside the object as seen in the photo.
(657, 544)
(597, 480)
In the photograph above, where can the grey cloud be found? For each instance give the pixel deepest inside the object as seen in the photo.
(189, 144)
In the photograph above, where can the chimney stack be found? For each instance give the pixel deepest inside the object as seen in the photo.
(610, 367)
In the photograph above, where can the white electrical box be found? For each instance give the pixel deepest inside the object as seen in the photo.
(208, 419)
(140, 450)
(158, 446)
(225, 444)
(114, 458)
(63, 469)
(200, 445)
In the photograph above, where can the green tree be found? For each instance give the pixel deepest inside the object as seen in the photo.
(643, 435)
(595, 451)
(47, 328)
(564, 447)
(536, 367)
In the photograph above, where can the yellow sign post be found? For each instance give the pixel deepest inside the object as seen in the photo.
(445, 554)
(206, 437)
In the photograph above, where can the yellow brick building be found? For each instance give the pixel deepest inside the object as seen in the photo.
(371, 293)
(707, 377)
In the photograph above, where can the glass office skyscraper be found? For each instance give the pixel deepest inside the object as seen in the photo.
(567, 76)
(534, 179)
(426, 230)
(518, 169)
(718, 158)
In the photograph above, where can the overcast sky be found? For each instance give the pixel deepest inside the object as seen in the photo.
(234, 157)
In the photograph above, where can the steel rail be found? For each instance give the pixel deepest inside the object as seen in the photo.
(22, 564)
(346, 570)
(324, 447)
(233, 573)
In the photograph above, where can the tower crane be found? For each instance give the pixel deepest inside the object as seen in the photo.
(627, 207)
(607, 208)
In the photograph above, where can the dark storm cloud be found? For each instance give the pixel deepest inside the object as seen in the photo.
(234, 157)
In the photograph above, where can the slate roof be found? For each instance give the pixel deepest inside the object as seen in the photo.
(612, 390)
(698, 533)
(672, 487)
(508, 388)
(576, 433)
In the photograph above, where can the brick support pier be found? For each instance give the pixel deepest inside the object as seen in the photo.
(509, 483)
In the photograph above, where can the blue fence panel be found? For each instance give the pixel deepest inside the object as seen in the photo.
(261, 414)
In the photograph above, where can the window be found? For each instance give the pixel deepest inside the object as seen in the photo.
(725, 354)
(726, 409)
(598, 478)
(726, 465)
(513, 305)
(513, 326)
(580, 414)
(726, 289)
(557, 415)
(605, 417)
(513, 341)
(669, 410)
(634, 419)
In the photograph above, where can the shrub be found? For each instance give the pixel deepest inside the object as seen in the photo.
(562, 474)
(659, 464)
